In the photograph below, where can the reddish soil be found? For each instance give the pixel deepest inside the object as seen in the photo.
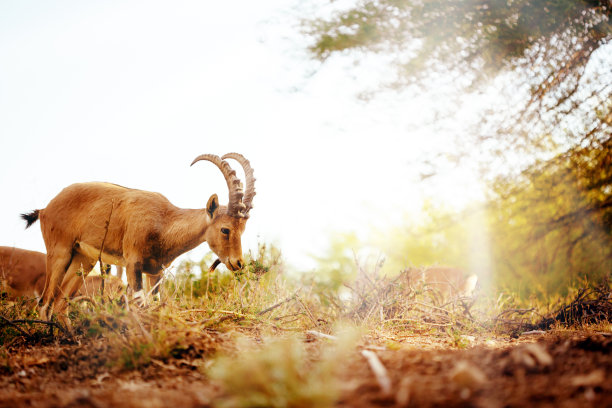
(566, 369)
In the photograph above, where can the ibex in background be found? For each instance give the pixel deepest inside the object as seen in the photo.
(22, 274)
(446, 283)
(140, 230)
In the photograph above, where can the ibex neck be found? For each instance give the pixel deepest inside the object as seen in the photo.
(185, 231)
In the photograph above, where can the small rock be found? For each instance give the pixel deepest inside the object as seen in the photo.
(468, 375)
(465, 393)
(532, 356)
(490, 343)
(589, 394)
(592, 379)
(467, 339)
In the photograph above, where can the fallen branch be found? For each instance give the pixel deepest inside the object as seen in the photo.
(15, 326)
(269, 309)
(322, 335)
(34, 321)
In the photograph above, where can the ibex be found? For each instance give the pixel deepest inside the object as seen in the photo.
(445, 283)
(139, 230)
(22, 274)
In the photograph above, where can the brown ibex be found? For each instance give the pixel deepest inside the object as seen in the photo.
(140, 230)
(444, 283)
(22, 274)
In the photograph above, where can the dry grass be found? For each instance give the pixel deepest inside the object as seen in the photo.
(264, 337)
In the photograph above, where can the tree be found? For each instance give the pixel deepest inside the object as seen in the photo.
(553, 224)
(554, 55)
(476, 36)
(549, 132)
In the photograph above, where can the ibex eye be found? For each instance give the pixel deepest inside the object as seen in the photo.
(225, 231)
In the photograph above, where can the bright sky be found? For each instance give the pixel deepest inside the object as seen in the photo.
(131, 92)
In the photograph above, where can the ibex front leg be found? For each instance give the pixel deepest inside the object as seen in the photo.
(133, 272)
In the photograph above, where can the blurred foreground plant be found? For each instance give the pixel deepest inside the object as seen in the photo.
(283, 372)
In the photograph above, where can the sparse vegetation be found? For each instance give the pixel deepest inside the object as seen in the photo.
(267, 339)
(361, 329)
(283, 372)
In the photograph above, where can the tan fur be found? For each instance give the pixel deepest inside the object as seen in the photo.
(22, 273)
(140, 230)
(445, 282)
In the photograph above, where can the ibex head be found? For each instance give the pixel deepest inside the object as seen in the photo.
(224, 233)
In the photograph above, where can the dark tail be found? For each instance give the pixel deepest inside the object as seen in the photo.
(30, 218)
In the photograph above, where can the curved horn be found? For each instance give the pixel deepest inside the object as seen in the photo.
(235, 206)
(248, 174)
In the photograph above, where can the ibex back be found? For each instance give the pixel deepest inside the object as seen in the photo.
(140, 230)
(22, 272)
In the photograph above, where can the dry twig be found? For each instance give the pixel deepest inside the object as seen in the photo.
(322, 335)
(15, 326)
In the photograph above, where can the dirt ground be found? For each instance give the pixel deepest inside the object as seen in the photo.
(559, 369)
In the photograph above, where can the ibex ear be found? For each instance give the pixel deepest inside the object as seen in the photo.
(212, 205)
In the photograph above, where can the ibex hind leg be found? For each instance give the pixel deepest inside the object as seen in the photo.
(79, 268)
(57, 264)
